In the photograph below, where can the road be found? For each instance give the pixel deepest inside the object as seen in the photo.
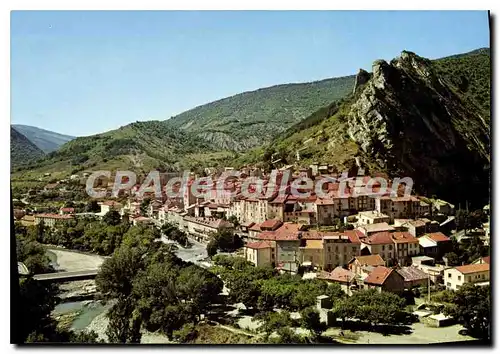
(195, 253)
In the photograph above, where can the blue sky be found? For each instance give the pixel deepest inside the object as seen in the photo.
(84, 72)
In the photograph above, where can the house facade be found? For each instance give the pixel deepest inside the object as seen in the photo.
(454, 278)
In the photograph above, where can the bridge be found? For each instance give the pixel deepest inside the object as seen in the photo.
(67, 276)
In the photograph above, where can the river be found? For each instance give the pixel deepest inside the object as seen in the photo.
(91, 314)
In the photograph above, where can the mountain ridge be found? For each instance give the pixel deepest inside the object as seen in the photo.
(159, 144)
(44, 139)
(407, 119)
(22, 150)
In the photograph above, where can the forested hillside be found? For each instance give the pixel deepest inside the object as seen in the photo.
(251, 118)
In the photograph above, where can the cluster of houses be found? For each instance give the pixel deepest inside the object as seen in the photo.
(389, 241)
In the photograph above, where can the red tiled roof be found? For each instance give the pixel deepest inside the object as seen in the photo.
(371, 260)
(486, 260)
(354, 236)
(255, 227)
(288, 231)
(339, 274)
(438, 237)
(69, 210)
(324, 201)
(312, 235)
(379, 238)
(473, 268)
(259, 245)
(404, 237)
(267, 235)
(379, 275)
(272, 224)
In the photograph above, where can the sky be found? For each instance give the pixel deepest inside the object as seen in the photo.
(86, 72)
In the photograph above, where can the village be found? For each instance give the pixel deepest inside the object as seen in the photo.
(388, 242)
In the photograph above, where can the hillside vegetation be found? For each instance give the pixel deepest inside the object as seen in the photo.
(252, 118)
(140, 146)
(22, 151)
(412, 116)
(409, 119)
(470, 74)
(205, 136)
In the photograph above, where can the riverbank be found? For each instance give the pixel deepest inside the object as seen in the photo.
(68, 260)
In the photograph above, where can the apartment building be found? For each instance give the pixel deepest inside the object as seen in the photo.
(287, 242)
(339, 249)
(478, 274)
(405, 247)
(372, 217)
(399, 207)
(50, 220)
(260, 253)
(380, 243)
(202, 228)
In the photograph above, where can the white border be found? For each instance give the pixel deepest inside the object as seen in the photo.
(150, 5)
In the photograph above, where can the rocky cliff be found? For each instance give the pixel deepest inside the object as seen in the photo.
(409, 121)
(405, 119)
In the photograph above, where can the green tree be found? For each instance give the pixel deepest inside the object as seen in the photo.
(233, 220)
(311, 321)
(112, 218)
(145, 205)
(472, 308)
(199, 287)
(287, 336)
(92, 206)
(117, 273)
(124, 322)
(452, 258)
(273, 321)
(212, 248)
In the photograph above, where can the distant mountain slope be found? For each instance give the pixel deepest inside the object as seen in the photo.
(46, 140)
(140, 147)
(22, 151)
(251, 118)
(407, 119)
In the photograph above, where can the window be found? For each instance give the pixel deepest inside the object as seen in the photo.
(449, 275)
(390, 247)
(328, 248)
(448, 285)
(459, 277)
(354, 249)
(383, 248)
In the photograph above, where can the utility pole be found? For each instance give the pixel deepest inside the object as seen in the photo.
(428, 289)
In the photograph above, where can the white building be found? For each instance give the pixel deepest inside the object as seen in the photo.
(478, 274)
